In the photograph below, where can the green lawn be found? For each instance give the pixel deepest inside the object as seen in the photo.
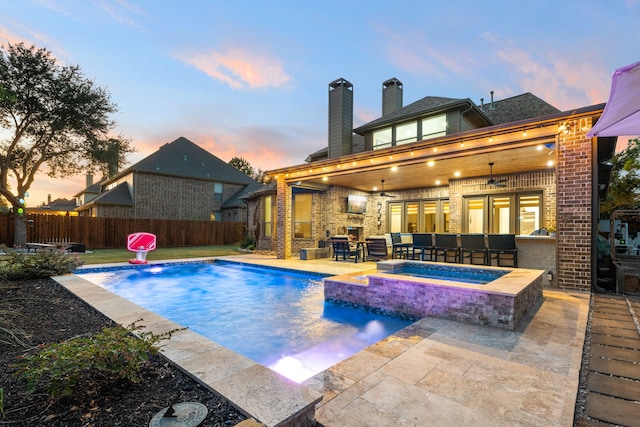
(103, 256)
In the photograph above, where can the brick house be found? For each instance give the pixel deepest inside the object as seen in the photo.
(179, 181)
(445, 165)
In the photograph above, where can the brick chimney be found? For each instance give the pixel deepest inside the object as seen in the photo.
(391, 96)
(340, 118)
(89, 180)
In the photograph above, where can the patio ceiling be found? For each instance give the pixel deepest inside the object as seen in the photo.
(423, 164)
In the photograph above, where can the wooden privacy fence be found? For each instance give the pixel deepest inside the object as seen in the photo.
(100, 233)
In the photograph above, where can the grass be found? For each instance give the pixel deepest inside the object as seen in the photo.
(104, 256)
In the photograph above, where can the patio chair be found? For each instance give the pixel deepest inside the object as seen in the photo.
(423, 246)
(343, 249)
(473, 247)
(447, 248)
(502, 248)
(376, 248)
(399, 248)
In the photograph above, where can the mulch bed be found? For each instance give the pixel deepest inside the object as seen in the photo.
(48, 313)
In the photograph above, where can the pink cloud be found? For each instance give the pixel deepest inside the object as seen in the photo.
(240, 68)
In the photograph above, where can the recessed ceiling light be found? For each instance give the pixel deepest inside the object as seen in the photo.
(394, 168)
(431, 163)
(437, 182)
(456, 173)
(550, 163)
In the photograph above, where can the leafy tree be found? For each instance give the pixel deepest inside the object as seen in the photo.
(57, 122)
(242, 165)
(624, 185)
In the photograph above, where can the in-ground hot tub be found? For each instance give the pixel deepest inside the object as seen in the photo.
(416, 289)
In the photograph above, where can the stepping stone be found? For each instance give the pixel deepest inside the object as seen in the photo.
(614, 386)
(614, 367)
(616, 341)
(612, 410)
(615, 353)
(614, 323)
(615, 332)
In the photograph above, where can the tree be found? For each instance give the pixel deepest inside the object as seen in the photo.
(624, 185)
(55, 121)
(242, 165)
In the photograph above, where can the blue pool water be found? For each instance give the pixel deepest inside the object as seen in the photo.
(474, 275)
(276, 317)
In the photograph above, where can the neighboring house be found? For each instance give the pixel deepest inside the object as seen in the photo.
(179, 181)
(425, 167)
(55, 207)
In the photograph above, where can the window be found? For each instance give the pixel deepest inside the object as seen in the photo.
(502, 214)
(406, 133)
(395, 217)
(267, 224)
(411, 209)
(302, 215)
(217, 191)
(434, 126)
(382, 138)
(474, 215)
(530, 218)
(419, 216)
(430, 217)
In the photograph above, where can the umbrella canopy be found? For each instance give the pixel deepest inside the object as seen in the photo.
(621, 115)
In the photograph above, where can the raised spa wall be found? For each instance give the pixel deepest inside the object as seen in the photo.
(501, 303)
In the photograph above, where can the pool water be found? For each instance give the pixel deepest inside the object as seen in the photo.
(276, 317)
(477, 276)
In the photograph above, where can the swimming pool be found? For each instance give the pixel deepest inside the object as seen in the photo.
(275, 317)
(478, 276)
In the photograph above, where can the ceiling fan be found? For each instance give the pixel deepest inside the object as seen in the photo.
(495, 182)
(382, 193)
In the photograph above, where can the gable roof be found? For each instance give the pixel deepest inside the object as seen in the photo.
(516, 108)
(183, 158)
(120, 195)
(238, 199)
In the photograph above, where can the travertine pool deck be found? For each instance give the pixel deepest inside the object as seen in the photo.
(434, 372)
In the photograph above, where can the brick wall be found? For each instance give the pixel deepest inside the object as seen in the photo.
(574, 207)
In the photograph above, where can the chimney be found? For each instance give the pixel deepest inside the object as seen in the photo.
(48, 199)
(89, 180)
(481, 104)
(491, 107)
(340, 118)
(391, 96)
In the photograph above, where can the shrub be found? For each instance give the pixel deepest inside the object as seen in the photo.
(114, 354)
(23, 266)
(246, 243)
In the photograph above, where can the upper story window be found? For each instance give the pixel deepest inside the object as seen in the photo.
(217, 191)
(382, 138)
(434, 126)
(407, 132)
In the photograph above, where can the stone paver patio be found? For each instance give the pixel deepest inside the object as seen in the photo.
(434, 372)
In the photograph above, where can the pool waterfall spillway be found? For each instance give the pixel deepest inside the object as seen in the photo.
(501, 302)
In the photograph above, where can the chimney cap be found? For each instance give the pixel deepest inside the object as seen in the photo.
(392, 82)
(340, 82)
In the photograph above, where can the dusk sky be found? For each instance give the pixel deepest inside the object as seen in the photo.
(250, 78)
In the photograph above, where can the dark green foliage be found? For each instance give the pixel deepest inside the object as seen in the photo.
(15, 265)
(624, 186)
(115, 354)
